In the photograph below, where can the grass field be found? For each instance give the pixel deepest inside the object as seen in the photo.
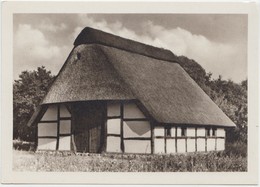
(194, 162)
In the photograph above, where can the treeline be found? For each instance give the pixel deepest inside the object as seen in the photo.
(231, 97)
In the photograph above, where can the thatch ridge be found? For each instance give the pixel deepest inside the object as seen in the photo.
(93, 36)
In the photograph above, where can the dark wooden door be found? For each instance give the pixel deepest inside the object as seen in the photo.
(88, 123)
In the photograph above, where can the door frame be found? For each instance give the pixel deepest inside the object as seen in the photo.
(102, 133)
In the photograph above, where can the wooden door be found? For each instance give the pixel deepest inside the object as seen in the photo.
(88, 121)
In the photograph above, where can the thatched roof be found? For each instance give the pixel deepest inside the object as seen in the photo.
(102, 72)
(87, 75)
(166, 90)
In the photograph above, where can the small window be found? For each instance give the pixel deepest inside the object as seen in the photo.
(168, 131)
(183, 131)
(214, 130)
(208, 132)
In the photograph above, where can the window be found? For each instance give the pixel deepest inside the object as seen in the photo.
(208, 132)
(214, 130)
(183, 131)
(168, 131)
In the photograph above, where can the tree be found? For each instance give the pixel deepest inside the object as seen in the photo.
(28, 91)
(232, 99)
(229, 96)
(197, 73)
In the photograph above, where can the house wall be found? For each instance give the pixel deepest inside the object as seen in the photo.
(47, 129)
(170, 146)
(159, 145)
(50, 114)
(138, 129)
(47, 144)
(54, 129)
(113, 144)
(201, 144)
(171, 139)
(113, 128)
(128, 130)
(113, 135)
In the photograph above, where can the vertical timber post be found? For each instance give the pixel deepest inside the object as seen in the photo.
(205, 139)
(186, 139)
(105, 131)
(165, 142)
(36, 137)
(121, 126)
(74, 148)
(152, 137)
(216, 139)
(58, 127)
(176, 140)
(196, 146)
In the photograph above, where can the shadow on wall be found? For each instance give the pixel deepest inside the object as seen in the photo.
(140, 129)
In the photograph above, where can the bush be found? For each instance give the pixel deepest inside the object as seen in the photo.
(236, 148)
(23, 146)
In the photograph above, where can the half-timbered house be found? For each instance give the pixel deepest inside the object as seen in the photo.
(121, 96)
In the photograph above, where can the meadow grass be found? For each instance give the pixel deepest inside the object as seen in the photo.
(190, 162)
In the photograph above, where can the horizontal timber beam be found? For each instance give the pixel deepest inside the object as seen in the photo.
(115, 135)
(137, 138)
(48, 121)
(49, 137)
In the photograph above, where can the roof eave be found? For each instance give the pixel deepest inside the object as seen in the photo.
(198, 125)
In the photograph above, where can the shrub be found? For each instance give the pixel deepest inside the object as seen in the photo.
(23, 146)
(236, 148)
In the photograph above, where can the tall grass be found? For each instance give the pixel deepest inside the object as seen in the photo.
(213, 162)
(233, 159)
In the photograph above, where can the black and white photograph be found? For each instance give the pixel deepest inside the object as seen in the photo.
(130, 92)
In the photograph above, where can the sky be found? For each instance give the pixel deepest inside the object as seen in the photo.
(218, 42)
